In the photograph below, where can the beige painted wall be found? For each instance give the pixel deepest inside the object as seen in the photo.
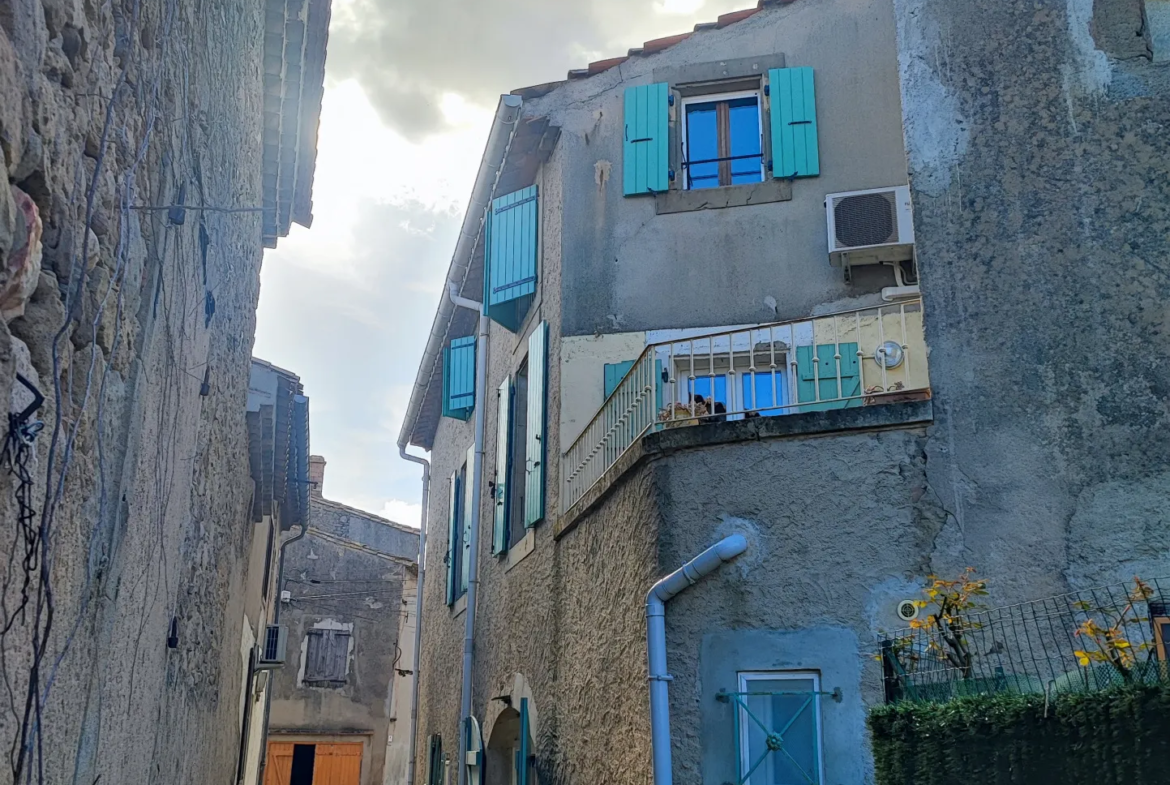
(398, 735)
(583, 361)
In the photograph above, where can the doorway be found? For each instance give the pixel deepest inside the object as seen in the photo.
(303, 758)
(314, 763)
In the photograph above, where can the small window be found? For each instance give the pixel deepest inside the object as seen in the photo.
(723, 141)
(779, 726)
(519, 459)
(327, 658)
(764, 390)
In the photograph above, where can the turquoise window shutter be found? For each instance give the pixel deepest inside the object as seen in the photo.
(795, 152)
(646, 144)
(511, 253)
(503, 451)
(469, 502)
(534, 452)
(459, 378)
(614, 373)
(817, 379)
(452, 529)
(522, 754)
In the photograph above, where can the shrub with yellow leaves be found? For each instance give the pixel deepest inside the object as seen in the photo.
(1105, 631)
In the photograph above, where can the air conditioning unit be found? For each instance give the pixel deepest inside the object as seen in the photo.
(272, 646)
(870, 227)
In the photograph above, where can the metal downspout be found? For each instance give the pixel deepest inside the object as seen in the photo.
(689, 574)
(481, 355)
(418, 605)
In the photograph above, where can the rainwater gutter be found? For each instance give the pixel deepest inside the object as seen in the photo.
(418, 607)
(662, 592)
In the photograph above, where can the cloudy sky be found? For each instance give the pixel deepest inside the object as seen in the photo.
(410, 90)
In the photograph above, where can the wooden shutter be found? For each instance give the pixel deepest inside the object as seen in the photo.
(337, 764)
(503, 461)
(523, 754)
(278, 769)
(469, 502)
(646, 144)
(795, 152)
(459, 378)
(327, 655)
(511, 252)
(534, 452)
(817, 381)
(452, 531)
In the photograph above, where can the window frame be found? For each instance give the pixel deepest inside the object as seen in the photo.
(735, 373)
(319, 633)
(743, 681)
(517, 457)
(714, 98)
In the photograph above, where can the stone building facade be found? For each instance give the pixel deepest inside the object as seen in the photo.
(131, 237)
(1007, 448)
(341, 703)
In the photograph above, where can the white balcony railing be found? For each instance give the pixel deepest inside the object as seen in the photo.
(853, 358)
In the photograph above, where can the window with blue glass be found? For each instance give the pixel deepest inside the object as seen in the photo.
(722, 141)
(778, 722)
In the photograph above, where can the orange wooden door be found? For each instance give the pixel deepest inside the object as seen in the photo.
(337, 764)
(278, 770)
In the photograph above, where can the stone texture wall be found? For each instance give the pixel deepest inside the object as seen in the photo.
(106, 107)
(1039, 148)
(337, 576)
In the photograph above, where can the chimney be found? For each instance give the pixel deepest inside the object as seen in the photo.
(316, 476)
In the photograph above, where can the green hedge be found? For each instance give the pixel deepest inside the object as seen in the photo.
(1114, 736)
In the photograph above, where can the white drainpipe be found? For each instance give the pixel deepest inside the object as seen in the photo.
(481, 355)
(418, 607)
(689, 574)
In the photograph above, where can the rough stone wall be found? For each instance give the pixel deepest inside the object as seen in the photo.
(105, 107)
(332, 582)
(1039, 151)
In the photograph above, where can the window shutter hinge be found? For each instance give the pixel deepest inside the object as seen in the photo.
(671, 175)
(670, 99)
(767, 89)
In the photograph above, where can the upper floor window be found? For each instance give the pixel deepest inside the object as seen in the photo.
(327, 657)
(723, 140)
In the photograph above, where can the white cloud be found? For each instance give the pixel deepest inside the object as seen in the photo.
(406, 513)
(411, 88)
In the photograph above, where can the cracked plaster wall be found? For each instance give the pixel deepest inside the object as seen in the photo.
(1047, 195)
(153, 518)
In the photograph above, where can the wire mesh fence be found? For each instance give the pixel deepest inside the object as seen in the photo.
(1082, 641)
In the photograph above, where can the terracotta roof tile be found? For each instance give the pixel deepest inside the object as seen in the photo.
(659, 44)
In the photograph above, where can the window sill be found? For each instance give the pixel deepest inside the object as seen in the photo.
(519, 552)
(680, 201)
(459, 606)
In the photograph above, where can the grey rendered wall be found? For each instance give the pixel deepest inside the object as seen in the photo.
(370, 589)
(1038, 165)
(626, 268)
(836, 530)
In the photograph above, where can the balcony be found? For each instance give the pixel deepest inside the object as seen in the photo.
(865, 357)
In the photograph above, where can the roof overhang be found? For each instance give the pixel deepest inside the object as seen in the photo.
(296, 33)
(513, 163)
(278, 445)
